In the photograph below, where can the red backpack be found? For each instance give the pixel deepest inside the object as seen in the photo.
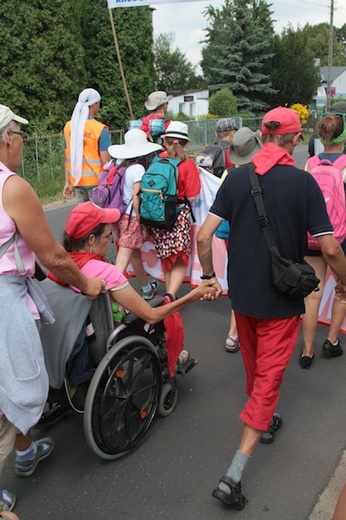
(328, 176)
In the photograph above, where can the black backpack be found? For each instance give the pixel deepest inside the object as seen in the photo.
(216, 152)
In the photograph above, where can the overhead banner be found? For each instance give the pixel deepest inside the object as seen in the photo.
(137, 3)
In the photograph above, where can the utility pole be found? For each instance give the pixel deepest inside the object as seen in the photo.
(330, 54)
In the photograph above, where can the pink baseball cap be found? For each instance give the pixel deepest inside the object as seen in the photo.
(87, 216)
(288, 119)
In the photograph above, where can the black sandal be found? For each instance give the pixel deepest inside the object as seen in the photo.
(234, 498)
(275, 425)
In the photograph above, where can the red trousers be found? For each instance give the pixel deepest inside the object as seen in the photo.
(266, 347)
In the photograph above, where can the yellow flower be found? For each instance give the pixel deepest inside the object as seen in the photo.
(302, 111)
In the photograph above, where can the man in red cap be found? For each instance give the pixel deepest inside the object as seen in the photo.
(267, 320)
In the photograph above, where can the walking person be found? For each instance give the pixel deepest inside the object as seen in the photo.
(24, 233)
(173, 246)
(155, 123)
(267, 320)
(332, 133)
(86, 143)
(245, 144)
(132, 234)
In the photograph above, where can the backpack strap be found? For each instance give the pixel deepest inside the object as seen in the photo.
(18, 259)
(340, 163)
(313, 161)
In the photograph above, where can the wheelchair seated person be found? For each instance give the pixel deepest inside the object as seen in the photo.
(87, 233)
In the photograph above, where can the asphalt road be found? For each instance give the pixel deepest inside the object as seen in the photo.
(171, 474)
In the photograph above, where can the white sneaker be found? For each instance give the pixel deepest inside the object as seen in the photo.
(150, 294)
(232, 344)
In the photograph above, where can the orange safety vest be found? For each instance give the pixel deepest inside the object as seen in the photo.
(92, 164)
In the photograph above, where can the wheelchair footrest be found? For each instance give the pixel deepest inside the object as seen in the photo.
(184, 369)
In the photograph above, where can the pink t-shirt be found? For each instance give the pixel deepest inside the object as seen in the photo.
(107, 272)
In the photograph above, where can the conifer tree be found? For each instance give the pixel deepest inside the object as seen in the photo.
(237, 52)
(294, 74)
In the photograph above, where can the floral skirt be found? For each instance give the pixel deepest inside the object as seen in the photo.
(174, 243)
(130, 232)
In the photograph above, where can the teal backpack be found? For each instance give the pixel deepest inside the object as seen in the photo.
(158, 194)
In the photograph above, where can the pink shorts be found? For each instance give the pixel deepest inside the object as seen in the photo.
(130, 232)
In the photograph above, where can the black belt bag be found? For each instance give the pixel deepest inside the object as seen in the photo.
(289, 277)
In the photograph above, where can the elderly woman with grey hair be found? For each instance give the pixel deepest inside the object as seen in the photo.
(24, 233)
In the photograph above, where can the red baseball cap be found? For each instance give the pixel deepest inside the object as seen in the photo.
(87, 216)
(288, 119)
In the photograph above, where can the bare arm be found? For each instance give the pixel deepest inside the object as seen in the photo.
(23, 207)
(204, 246)
(135, 198)
(334, 256)
(68, 189)
(131, 300)
(340, 508)
(105, 157)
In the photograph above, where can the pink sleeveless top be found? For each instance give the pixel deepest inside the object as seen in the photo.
(7, 230)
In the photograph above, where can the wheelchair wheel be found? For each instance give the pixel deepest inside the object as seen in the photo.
(168, 399)
(122, 398)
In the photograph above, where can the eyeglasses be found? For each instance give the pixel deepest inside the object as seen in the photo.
(108, 237)
(23, 135)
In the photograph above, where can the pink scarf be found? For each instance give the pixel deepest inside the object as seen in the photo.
(269, 156)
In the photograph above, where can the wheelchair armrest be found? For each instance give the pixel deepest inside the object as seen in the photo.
(157, 301)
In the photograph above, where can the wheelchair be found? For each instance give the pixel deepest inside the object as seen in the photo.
(130, 382)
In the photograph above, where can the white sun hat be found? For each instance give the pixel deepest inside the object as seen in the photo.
(136, 145)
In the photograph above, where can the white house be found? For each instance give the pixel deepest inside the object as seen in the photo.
(337, 79)
(193, 103)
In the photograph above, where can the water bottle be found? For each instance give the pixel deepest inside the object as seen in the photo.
(118, 313)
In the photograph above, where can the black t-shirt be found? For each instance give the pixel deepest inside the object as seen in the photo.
(294, 204)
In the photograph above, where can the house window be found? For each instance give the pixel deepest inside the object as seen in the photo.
(192, 109)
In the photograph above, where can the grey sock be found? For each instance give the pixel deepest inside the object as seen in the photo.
(235, 470)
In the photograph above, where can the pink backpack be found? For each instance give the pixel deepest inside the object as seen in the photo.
(328, 176)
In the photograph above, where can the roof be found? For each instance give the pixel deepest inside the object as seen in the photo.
(335, 72)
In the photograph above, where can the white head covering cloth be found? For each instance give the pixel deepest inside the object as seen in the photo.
(86, 98)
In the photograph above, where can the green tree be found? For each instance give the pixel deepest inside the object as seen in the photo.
(317, 40)
(238, 50)
(134, 33)
(173, 70)
(294, 74)
(223, 103)
(41, 59)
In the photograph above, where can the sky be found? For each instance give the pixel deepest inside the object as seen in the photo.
(187, 22)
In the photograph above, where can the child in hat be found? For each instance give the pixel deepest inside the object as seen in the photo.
(132, 234)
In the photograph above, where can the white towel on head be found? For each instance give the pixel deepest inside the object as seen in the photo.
(86, 98)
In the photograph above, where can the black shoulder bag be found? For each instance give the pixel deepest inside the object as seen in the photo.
(289, 277)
